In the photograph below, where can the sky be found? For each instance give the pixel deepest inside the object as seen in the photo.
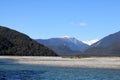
(42, 19)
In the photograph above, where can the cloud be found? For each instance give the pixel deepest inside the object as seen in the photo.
(90, 42)
(83, 24)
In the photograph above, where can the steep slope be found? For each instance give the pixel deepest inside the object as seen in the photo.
(16, 43)
(108, 46)
(71, 46)
(108, 40)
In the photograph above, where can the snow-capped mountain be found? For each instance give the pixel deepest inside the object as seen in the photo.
(70, 44)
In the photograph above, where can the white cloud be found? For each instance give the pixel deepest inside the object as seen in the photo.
(90, 42)
(83, 24)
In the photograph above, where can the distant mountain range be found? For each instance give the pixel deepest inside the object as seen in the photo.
(64, 45)
(15, 43)
(18, 44)
(109, 46)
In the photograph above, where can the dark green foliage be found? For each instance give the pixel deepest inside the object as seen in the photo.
(4, 43)
(16, 43)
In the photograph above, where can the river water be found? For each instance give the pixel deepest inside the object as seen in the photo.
(62, 73)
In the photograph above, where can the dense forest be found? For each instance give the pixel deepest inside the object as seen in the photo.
(15, 43)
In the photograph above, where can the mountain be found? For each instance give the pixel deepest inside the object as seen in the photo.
(108, 40)
(15, 43)
(64, 45)
(109, 46)
(63, 50)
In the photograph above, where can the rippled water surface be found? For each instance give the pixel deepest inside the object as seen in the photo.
(61, 74)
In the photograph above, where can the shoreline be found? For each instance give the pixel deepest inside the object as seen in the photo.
(36, 62)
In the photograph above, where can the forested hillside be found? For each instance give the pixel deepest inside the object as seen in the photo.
(16, 43)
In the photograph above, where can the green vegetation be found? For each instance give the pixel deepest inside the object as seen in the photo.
(16, 43)
(77, 56)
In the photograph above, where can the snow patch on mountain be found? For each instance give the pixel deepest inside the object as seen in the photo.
(90, 42)
(67, 41)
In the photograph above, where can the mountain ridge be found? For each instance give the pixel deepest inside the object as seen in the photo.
(70, 43)
(108, 40)
(107, 46)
